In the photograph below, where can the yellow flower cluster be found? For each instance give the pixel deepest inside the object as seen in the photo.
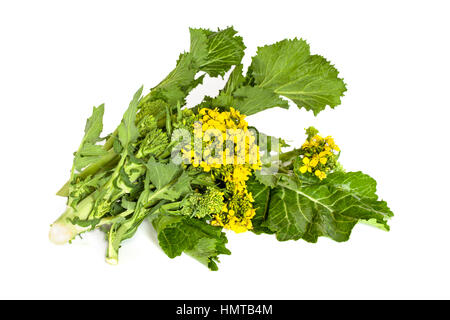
(319, 156)
(237, 177)
(232, 162)
(238, 211)
(212, 118)
(237, 214)
(225, 140)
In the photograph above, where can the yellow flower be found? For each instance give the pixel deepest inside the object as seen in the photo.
(314, 161)
(307, 165)
(323, 157)
(320, 174)
(205, 166)
(330, 141)
(316, 140)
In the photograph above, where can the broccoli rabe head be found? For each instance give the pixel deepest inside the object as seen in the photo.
(151, 107)
(184, 119)
(146, 124)
(203, 205)
(154, 143)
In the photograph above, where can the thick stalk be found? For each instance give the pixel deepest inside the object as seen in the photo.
(62, 230)
(112, 252)
(115, 237)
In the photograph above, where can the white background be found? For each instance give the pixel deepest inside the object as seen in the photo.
(59, 58)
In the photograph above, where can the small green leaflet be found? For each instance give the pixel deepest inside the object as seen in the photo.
(170, 180)
(85, 223)
(295, 210)
(207, 250)
(197, 238)
(161, 174)
(216, 52)
(269, 180)
(94, 125)
(235, 80)
(128, 132)
(89, 152)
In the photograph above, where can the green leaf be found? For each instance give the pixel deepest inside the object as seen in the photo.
(161, 174)
(287, 69)
(170, 180)
(235, 80)
(176, 86)
(178, 188)
(88, 152)
(261, 196)
(128, 132)
(268, 180)
(251, 100)
(216, 52)
(299, 210)
(94, 125)
(207, 250)
(195, 237)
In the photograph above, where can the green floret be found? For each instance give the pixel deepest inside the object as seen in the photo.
(155, 142)
(148, 107)
(184, 120)
(146, 124)
(311, 132)
(203, 205)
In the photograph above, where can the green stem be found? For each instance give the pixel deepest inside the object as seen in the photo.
(286, 156)
(112, 252)
(110, 141)
(108, 158)
(63, 230)
(171, 206)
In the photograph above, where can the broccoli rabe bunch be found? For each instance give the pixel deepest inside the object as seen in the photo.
(195, 172)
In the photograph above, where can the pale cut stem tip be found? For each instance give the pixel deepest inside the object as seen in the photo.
(112, 261)
(60, 233)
